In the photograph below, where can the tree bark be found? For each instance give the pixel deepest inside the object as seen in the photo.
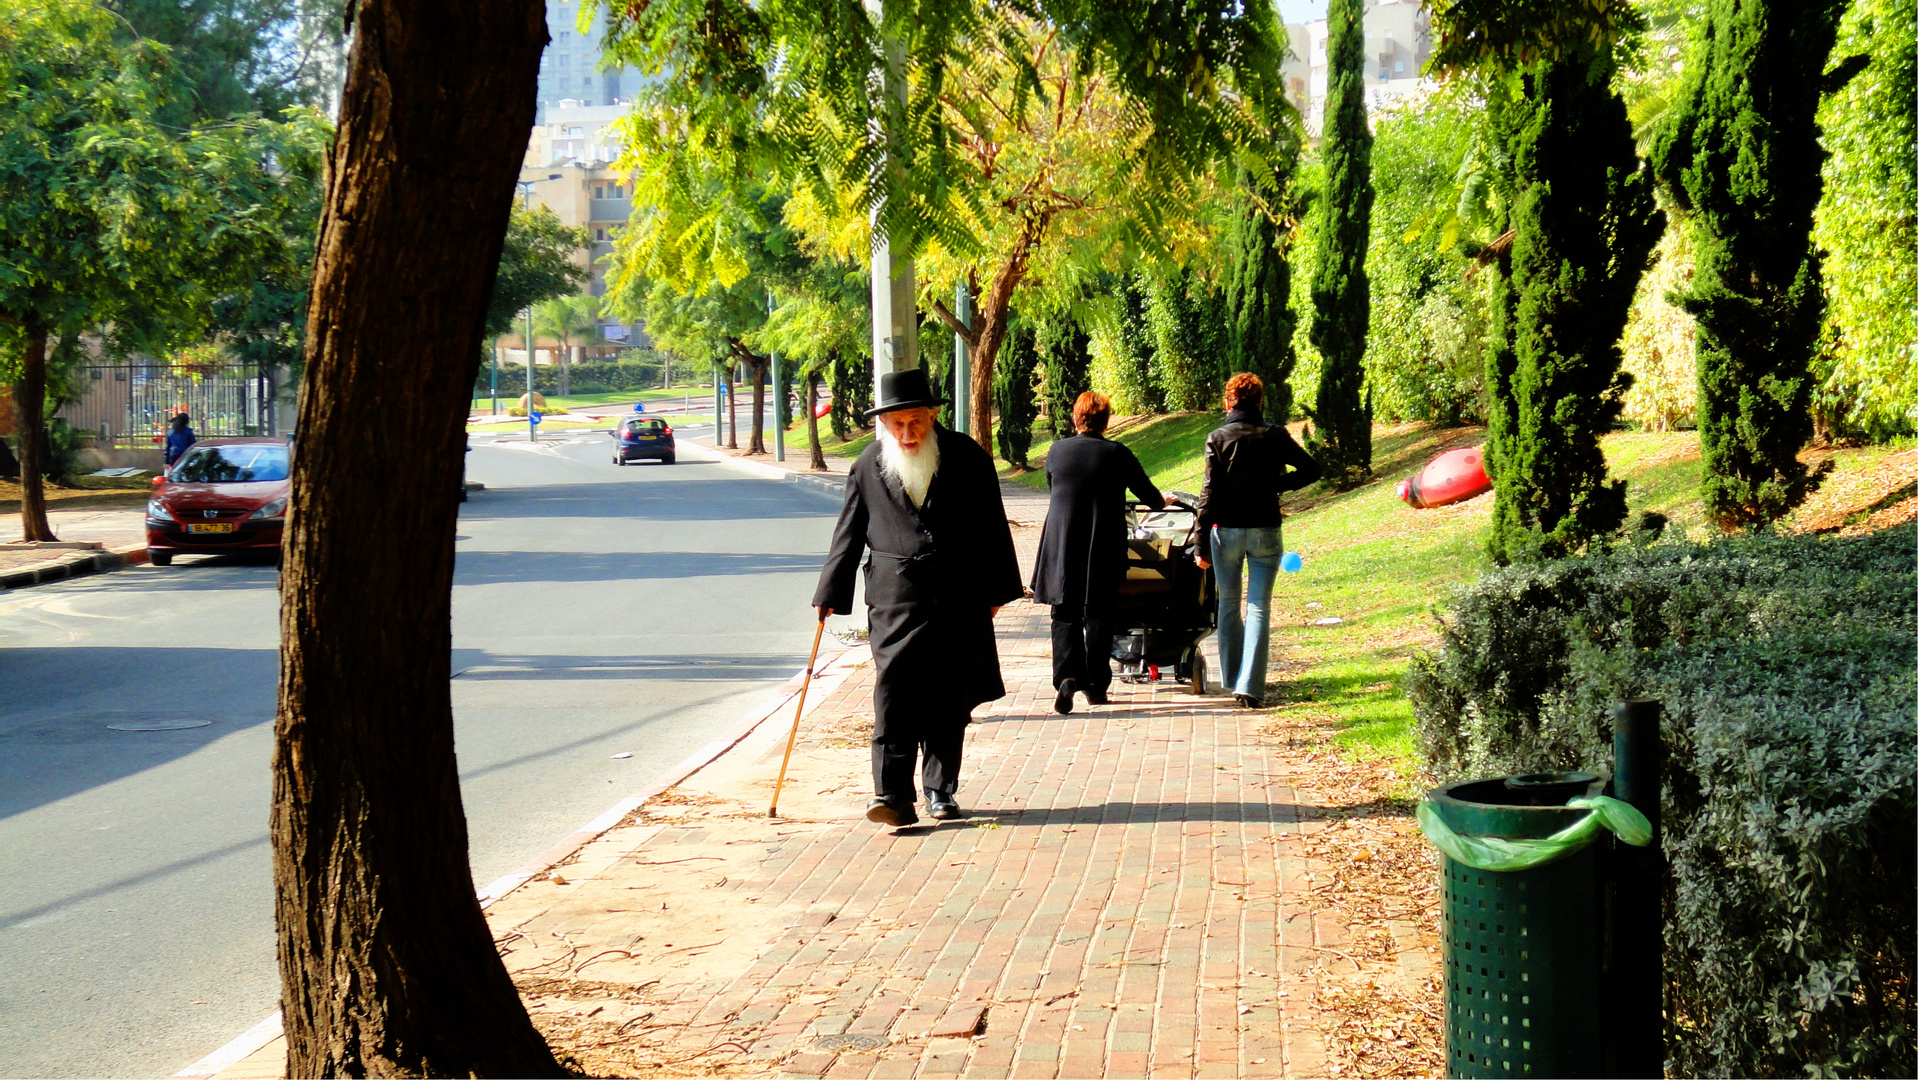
(812, 421)
(758, 441)
(995, 309)
(732, 411)
(29, 410)
(387, 965)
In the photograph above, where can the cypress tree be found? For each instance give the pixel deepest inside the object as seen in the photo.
(1191, 339)
(1258, 294)
(1740, 150)
(1067, 353)
(1341, 300)
(1138, 388)
(1584, 224)
(1012, 393)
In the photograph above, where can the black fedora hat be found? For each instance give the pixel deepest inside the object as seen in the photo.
(904, 390)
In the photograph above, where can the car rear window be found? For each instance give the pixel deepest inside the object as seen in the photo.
(649, 427)
(243, 464)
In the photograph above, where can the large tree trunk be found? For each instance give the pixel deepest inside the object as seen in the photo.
(759, 408)
(29, 410)
(387, 965)
(812, 421)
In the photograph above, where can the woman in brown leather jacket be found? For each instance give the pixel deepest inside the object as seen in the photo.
(1248, 464)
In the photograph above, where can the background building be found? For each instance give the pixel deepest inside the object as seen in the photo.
(569, 69)
(1398, 42)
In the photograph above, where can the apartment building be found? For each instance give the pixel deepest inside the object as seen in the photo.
(1398, 42)
(571, 67)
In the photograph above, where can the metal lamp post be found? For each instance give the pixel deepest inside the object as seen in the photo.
(532, 419)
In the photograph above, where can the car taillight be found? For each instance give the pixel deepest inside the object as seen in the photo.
(668, 431)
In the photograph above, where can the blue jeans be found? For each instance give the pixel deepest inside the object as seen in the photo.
(1251, 554)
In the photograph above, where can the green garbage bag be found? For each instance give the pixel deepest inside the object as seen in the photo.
(1500, 853)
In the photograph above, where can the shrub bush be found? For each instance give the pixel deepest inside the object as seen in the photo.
(590, 377)
(1786, 667)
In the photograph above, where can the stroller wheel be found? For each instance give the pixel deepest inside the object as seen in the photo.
(1199, 686)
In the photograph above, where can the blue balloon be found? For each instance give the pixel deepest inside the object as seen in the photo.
(1291, 562)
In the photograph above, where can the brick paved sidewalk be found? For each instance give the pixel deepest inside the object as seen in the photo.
(1132, 896)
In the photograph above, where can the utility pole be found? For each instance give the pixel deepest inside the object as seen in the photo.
(962, 359)
(532, 423)
(895, 311)
(779, 396)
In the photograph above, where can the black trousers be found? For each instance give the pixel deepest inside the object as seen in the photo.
(1081, 647)
(893, 757)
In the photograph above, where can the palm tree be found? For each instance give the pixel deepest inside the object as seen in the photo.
(568, 320)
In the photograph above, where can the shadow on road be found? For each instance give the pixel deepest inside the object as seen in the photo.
(703, 497)
(494, 567)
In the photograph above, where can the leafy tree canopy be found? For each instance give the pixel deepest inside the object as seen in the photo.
(783, 91)
(536, 265)
(1503, 35)
(229, 57)
(107, 218)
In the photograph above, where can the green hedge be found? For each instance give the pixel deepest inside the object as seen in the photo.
(1786, 666)
(591, 377)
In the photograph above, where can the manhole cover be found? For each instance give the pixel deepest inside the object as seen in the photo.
(851, 1042)
(159, 725)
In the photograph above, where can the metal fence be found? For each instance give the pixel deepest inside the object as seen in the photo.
(128, 405)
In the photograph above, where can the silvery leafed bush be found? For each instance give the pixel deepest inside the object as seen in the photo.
(1786, 666)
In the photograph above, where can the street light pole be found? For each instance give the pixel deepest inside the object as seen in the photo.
(779, 397)
(532, 424)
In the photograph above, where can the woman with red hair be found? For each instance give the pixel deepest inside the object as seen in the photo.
(1082, 550)
(1248, 465)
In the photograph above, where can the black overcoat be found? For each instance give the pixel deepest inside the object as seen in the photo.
(933, 576)
(1082, 552)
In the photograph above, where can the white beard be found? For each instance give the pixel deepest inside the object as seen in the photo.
(914, 471)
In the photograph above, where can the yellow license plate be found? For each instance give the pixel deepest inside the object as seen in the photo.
(218, 527)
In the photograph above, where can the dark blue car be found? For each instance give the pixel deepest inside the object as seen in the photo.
(637, 437)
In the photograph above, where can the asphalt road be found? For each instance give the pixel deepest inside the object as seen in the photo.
(596, 610)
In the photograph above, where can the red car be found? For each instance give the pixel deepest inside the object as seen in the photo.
(223, 495)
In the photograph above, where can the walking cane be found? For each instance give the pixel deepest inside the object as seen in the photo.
(794, 737)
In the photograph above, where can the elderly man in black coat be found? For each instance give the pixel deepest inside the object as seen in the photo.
(924, 503)
(1082, 551)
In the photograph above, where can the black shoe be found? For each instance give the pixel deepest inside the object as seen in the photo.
(1247, 701)
(1062, 701)
(941, 807)
(1096, 697)
(887, 812)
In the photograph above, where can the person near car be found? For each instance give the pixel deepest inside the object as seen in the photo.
(1082, 549)
(179, 436)
(1248, 465)
(924, 514)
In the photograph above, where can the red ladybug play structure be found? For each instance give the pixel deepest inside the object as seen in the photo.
(1453, 476)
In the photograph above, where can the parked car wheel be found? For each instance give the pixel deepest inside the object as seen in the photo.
(670, 458)
(160, 558)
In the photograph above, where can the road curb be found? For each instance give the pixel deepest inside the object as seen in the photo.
(74, 566)
(830, 483)
(833, 669)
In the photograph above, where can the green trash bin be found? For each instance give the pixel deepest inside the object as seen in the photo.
(1521, 907)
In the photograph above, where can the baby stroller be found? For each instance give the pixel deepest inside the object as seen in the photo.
(1167, 605)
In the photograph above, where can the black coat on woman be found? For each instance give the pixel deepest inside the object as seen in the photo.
(933, 575)
(1082, 551)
